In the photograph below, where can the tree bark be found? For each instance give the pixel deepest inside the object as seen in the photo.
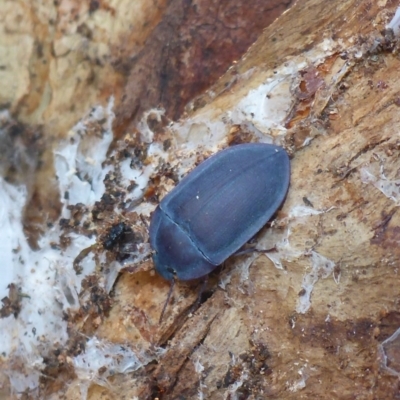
(314, 318)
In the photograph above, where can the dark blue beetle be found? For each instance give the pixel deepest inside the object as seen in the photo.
(217, 208)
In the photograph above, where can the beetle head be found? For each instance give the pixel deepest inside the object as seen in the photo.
(175, 254)
(165, 271)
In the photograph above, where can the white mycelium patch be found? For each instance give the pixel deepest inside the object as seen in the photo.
(48, 283)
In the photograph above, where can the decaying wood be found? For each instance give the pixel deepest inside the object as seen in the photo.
(256, 335)
(333, 350)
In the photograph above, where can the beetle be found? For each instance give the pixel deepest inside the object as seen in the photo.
(217, 208)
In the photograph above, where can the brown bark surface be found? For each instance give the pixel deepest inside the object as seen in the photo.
(249, 340)
(256, 336)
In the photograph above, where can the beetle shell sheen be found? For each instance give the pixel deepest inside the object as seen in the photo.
(217, 208)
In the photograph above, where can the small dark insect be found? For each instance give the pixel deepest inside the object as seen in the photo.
(307, 202)
(217, 208)
(114, 235)
(122, 240)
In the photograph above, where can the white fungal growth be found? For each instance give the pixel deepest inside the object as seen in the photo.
(321, 268)
(199, 368)
(146, 134)
(48, 283)
(267, 106)
(100, 355)
(300, 383)
(388, 352)
(280, 241)
(78, 161)
(231, 392)
(395, 22)
(390, 188)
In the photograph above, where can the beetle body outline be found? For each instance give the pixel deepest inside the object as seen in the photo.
(217, 208)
